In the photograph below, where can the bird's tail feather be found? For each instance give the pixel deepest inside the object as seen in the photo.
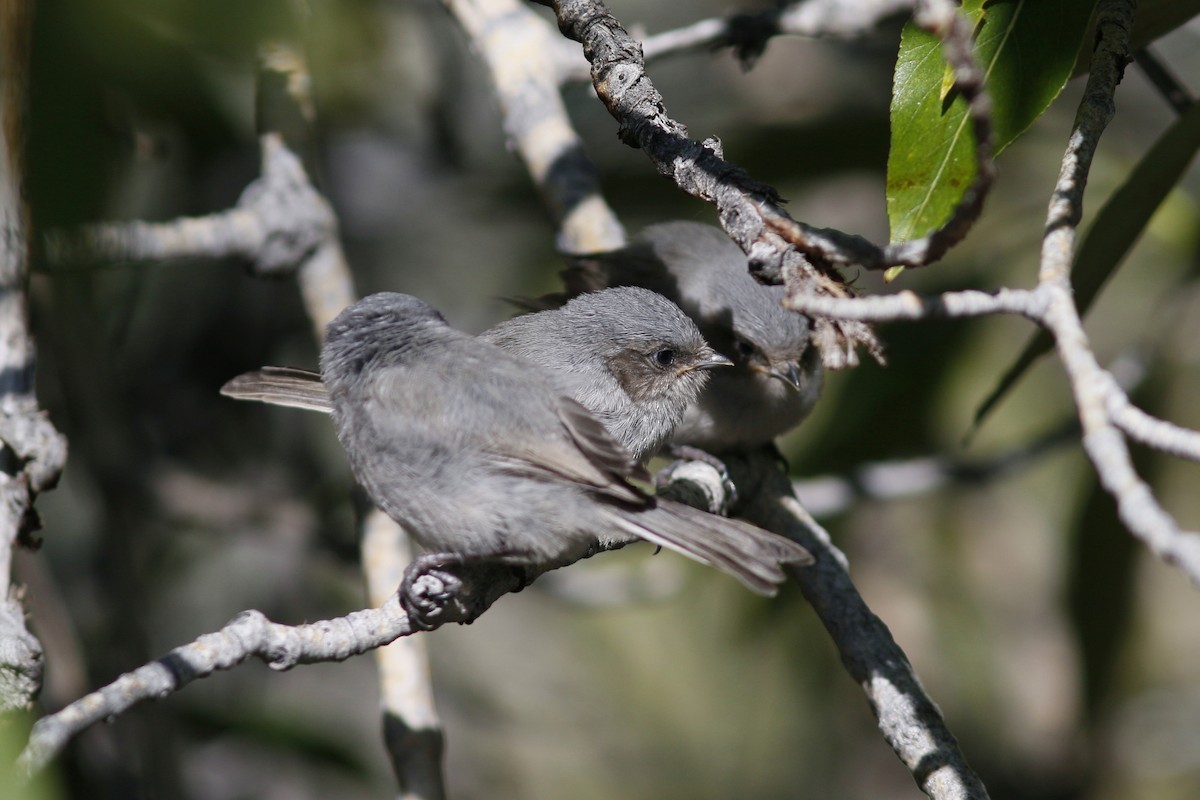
(281, 386)
(752, 555)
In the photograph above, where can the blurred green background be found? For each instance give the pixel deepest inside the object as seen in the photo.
(1065, 659)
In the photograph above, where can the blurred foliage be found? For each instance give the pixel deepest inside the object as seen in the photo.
(1064, 659)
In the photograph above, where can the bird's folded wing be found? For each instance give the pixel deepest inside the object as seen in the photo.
(586, 453)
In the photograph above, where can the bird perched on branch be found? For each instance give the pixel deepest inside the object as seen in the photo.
(483, 458)
(628, 355)
(776, 375)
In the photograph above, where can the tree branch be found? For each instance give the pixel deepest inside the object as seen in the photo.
(1174, 92)
(32, 452)
(286, 110)
(748, 33)
(280, 224)
(251, 635)
(907, 717)
(1104, 408)
(412, 730)
(525, 58)
(908, 305)
(751, 211)
(825, 496)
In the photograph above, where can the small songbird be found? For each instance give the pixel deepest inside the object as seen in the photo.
(776, 375)
(628, 355)
(484, 458)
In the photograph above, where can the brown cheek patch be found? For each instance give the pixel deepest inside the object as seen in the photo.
(635, 374)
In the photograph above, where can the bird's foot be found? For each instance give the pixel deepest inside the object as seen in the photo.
(428, 588)
(667, 479)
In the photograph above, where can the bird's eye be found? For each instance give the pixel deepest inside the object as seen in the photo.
(664, 357)
(744, 348)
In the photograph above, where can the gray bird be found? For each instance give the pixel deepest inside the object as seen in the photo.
(484, 459)
(777, 373)
(628, 355)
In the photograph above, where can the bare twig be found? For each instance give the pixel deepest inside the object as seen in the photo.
(618, 71)
(248, 635)
(32, 452)
(1151, 431)
(908, 718)
(286, 110)
(748, 33)
(252, 635)
(280, 224)
(824, 496)
(908, 305)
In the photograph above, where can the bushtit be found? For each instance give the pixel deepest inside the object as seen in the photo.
(777, 370)
(628, 355)
(483, 459)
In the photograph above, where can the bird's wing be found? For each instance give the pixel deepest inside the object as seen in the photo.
(598, 445)
(634, 265)
(583, 452)
(281, 386)
(586, 274)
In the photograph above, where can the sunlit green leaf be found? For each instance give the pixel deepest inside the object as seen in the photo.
(1026, 49)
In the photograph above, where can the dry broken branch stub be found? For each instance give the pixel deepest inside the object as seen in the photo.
(279, 222)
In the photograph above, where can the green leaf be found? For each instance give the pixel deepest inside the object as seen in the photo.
(1118, 226)
(1026, 48)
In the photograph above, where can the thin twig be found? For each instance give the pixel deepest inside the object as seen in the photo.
(279, 224)
(251, 635)
(1105, 412)
(248, 635)
(908, 305)
(1153, 432)
(908, 719)
(827, 495)
(411, 729)
(286, 110)
(749, 32)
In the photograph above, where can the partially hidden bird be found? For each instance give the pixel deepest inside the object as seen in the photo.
(776, 376)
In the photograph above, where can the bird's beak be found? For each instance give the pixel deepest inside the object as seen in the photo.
(710, 360)
(789, 374)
